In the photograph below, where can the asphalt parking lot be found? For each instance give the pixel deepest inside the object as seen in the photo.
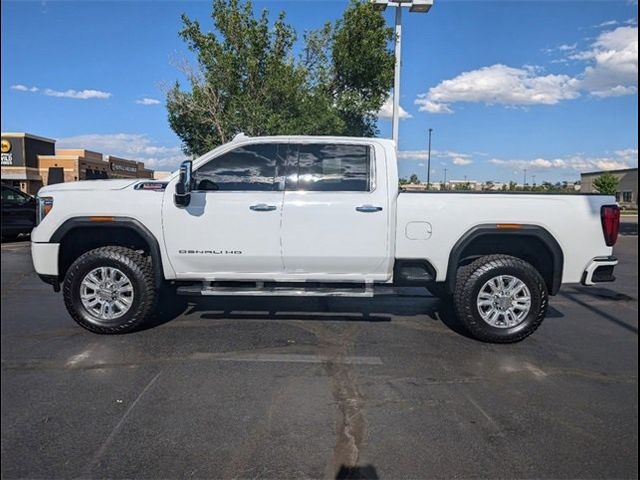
(299, 388)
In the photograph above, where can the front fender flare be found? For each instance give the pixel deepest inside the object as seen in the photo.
(119, 222)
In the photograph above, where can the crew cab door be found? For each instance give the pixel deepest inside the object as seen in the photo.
(335, 223)
(231, 228)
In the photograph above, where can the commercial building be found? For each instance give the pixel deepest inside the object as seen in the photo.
(20, 167)
(30, 162)
(627, 193)
(160, 174)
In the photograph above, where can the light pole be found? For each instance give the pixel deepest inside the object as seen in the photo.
(429, 160)
(525, 177)
(418, 6)
(445, 179)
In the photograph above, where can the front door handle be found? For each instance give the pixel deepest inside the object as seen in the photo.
(262, 207)
(368, 208)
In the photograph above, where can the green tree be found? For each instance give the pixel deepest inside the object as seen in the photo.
(247, 79)
(607, 184)
(414, 178)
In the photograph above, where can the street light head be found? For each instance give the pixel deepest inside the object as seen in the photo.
(380, 5)
(421, 6)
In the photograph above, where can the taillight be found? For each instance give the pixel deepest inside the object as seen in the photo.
(610, 216)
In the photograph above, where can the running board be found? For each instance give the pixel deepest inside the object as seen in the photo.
(206, 290)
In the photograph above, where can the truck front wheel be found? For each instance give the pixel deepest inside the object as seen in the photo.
(500, 299)
(110, 290)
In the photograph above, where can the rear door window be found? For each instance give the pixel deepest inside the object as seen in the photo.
(329, 167)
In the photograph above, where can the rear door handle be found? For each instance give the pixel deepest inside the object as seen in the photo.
(368, 208)
(262, 207)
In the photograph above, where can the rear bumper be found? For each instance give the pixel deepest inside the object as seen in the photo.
(600, 270)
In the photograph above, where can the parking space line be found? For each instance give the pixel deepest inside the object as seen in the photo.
(109, 440)
(286, 358)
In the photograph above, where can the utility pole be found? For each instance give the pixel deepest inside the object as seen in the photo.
(525, 177)
(415, 6)
(429, 160)
(533, 180)
(445, 179)
(396, 78)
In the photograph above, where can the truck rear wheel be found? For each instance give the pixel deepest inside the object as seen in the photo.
(110, 290)
(500, 299)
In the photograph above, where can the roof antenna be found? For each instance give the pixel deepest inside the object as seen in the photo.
(239, 136)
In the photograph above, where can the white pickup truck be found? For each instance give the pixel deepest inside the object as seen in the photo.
(315, 216)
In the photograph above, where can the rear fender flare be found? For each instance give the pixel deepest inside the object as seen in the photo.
(534, 231)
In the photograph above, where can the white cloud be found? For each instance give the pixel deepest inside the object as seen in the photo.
(386, 111)
(608, 23)
(565, 47)
(148, 101)
(23, 88)
(499, 84)
(134, 146)
(460, 159)
(628, 154)
(77, 94)
(612, 70)
(579, 162)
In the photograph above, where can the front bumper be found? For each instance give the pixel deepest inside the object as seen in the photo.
(45, 258)
(600, 270)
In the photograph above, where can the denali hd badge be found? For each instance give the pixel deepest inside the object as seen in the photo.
(210, 252)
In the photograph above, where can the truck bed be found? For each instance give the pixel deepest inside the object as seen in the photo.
(429, 224)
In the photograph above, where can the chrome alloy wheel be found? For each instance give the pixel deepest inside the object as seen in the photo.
(106, 293)
(504, 301)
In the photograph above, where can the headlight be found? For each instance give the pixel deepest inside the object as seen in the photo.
(45, 204)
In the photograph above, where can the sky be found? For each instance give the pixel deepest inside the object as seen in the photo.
(546, 86)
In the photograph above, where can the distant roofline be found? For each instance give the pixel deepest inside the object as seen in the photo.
(27, 135)
(621, 170)
(65, 151)
(111, 158)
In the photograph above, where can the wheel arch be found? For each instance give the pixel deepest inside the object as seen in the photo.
(80, 234)
(531, 243)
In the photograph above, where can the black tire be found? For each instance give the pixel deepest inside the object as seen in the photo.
(439, 290)
(471, 278)
(139, 271)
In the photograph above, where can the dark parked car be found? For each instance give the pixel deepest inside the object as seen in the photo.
(18, 212)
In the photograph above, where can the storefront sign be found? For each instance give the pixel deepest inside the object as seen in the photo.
(117, 167)
(7, 156)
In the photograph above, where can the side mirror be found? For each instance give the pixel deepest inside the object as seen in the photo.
(182, 197)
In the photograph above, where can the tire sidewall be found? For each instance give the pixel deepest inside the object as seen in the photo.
(86, 318)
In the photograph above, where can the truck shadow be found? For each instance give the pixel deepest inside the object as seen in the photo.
(376, 309)
(383, 308)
